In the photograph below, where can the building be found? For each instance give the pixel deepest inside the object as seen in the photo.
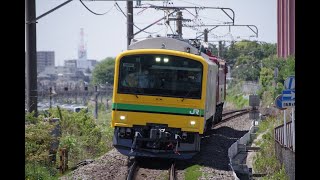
(286, 28)
(59, 70)
(44, 59)
(72, 63)
(81, 63)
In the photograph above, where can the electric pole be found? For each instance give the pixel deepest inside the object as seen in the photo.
(129, 22)
(179, 23)
(50, 97)
(31, 56)
(96, 103)
(220, 49)
(205, 35)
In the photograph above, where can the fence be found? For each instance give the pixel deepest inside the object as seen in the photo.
(285, 140)
(284, 150)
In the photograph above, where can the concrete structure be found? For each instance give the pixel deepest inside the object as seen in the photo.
(286, 28)
(58, 70)
(70, 63)
(287, 157)
(81, 63)
(84, 64)
(44, 59)
(250, 87)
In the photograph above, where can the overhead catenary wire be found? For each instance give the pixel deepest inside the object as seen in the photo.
(191, 3)
(99, 14)
(117, 6)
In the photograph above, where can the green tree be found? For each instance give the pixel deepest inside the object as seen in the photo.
(232, 54)
(246, 68)
(286, 67)
(268, 49)
(104, 71)
(266, 77)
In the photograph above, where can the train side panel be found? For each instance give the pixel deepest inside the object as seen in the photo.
(210, 107)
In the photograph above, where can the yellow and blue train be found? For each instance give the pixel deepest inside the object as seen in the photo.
(167, 93)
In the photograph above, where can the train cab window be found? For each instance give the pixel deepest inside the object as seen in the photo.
(160, 75)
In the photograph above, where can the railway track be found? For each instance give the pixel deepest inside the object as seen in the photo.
(232, 114)
(172, 171)
(138, 171)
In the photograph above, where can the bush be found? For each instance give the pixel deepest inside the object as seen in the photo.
(34, 171)
(265, 161)
(82, 135)
(37, 146)
(37, 142)
(268, 91)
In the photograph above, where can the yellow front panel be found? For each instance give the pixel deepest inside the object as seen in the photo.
(173, 121)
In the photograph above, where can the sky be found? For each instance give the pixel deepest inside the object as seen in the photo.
(105, 36)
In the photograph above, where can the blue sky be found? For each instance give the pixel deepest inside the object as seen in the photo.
(105, 35)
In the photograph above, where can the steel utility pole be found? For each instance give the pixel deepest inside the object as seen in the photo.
(129, 22)
(205, 35)
(179, 23)
(50, 97)
(31, 56)
(96, 102)
(220, 49)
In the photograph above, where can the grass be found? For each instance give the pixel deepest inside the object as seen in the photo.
(237, 100)
(193, 172)
(235, 95)
(265, 161)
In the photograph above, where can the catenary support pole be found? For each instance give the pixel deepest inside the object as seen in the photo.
(31, 57)
(129, 22)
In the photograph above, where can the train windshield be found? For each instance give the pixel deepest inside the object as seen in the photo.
(160, 75)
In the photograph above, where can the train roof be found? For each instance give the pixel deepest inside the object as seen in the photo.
(165, 43)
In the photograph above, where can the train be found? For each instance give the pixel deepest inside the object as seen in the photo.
(168, 92)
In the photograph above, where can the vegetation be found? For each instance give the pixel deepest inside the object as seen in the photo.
(272, 86)
(37, 145)
(252, 61)
(265, 161)
(82, 135)
(246, 68)
(104, 72)
(235, 96)
(193, 172)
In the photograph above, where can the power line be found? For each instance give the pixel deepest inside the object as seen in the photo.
(95, 12)
(133, 24)
(191, 3)
(212, 19)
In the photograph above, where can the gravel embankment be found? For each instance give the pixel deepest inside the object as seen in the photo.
(213, 157)
(112, 165)
(214, 149)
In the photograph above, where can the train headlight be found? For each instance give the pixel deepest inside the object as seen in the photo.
(192, 123)
(158, 59)
(123, 118)
(165, 60)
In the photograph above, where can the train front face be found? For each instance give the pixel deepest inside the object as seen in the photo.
(158, 103)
